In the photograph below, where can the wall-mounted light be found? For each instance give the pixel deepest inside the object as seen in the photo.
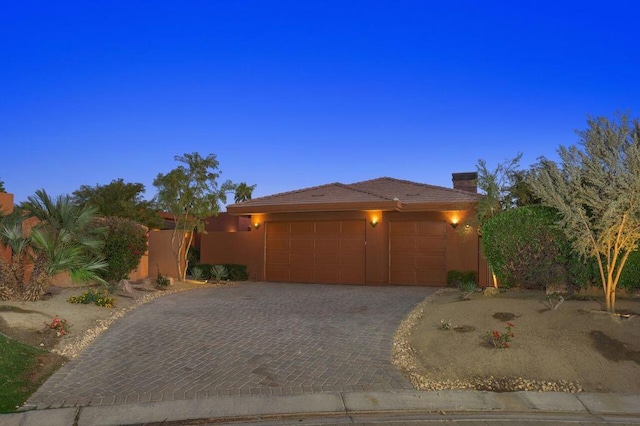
(454, 223)
(256, 225)
(374, 222)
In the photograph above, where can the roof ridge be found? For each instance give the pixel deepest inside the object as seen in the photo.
(418, 184)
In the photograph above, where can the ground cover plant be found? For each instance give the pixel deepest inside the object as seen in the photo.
(23, 369)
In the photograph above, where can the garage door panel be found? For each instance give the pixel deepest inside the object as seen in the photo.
(403, 244)
(352, 244)
(430, 244)
(302, 227)
(417, 252)
(431, 277)
(278, 243)
(352, 276)
(352, 227)
(327, 227)
(326, 275)
(302, 259)
(279, 257)
(302, 275)
(331, 259)
(317, 251)
(429, 259)
(278, 272)
(403, 262)
(327, 244)
(431, 228)
(299, 243)
(351, 259)
(278, 228)
(401, 229)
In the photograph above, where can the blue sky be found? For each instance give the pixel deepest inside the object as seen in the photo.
(290, 94)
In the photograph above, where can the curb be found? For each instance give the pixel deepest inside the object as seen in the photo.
(587, 405)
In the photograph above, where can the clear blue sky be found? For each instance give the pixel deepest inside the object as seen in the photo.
(290, 94)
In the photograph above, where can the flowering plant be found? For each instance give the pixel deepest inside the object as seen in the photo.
(59, 325)
(500, 340)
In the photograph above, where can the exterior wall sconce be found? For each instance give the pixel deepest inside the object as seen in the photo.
(373, 223)
(256, 225)
(454, 225)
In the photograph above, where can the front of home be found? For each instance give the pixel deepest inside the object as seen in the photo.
(383, 231)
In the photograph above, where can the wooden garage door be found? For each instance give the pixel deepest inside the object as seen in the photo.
(316, 251)
(417, 252)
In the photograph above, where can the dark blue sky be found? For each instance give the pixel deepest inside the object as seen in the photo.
(290, 94)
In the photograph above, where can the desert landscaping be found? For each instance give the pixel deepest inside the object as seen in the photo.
(576, 347)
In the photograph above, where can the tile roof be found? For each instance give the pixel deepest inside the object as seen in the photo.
(377, 194)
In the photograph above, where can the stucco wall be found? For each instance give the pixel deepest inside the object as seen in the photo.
(161, 254)
(6, 207)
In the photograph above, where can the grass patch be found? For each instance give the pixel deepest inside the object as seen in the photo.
(23, 369)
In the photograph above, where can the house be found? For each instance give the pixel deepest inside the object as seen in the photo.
(376, 232)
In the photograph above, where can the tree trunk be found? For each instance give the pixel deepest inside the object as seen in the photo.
(610, 298)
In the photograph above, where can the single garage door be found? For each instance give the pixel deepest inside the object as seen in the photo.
(316, 251)
(417, 252)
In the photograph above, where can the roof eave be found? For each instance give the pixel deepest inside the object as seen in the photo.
(438, 206)
(240, 210)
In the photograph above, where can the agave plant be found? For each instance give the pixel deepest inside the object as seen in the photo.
(219, 272)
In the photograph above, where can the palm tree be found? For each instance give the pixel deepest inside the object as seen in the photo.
(65, 239)
(12, 271)
(243, 192)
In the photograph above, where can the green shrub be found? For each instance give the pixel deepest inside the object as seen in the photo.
(237, 272)
(162, 282)
(94, 297)
(124, 245)
(455, 278)
(526, 249)
(630, 277)
(467, 288)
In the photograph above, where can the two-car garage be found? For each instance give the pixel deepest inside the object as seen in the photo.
(324, 251)
(375, 232)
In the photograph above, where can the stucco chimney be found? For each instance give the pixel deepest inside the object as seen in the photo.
(467, 181)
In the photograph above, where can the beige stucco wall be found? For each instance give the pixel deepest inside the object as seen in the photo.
(161, 254)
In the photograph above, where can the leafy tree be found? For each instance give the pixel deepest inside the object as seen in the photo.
(243, 192)
(192, 194)
(121, 199)
(596, 191)
(62, 239)
(496, 187)
(2, 186)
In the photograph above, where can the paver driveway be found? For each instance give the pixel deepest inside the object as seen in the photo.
(249, 339)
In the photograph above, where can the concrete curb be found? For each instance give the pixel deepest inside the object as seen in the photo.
(590, 405)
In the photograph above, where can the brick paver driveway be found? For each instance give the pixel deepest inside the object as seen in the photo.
(249, 339)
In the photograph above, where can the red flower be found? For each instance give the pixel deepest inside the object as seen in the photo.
(510, 324)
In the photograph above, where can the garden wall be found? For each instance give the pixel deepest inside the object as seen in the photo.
(160, 254)
(6, 207)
